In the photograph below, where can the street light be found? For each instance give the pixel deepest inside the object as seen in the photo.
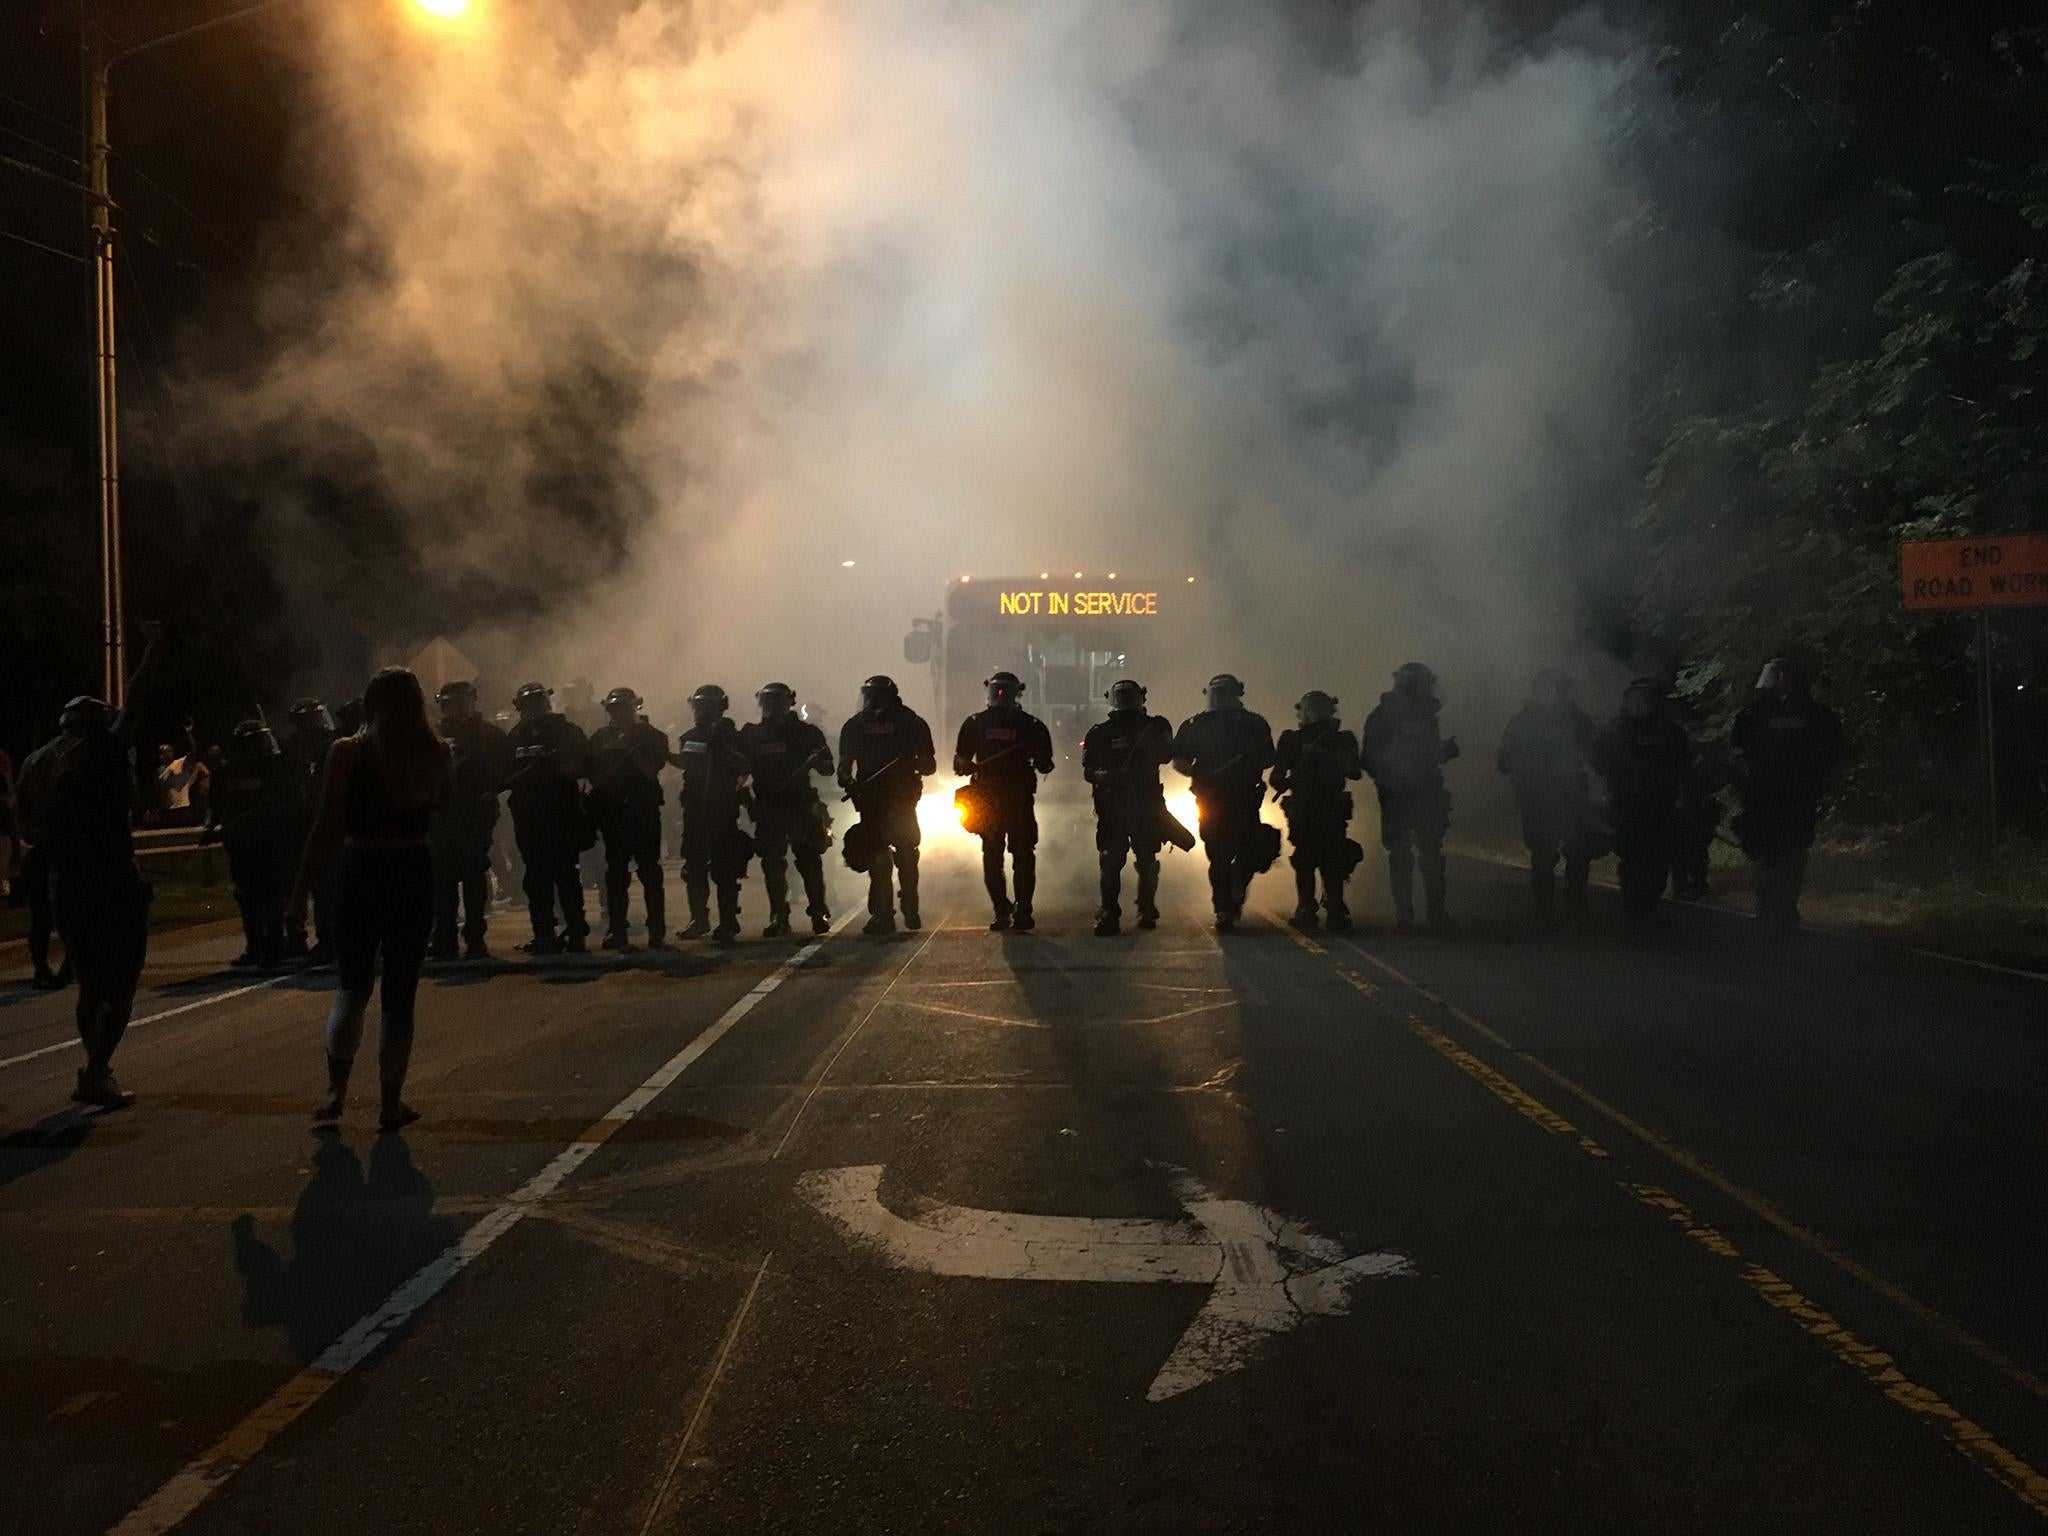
(98, 68)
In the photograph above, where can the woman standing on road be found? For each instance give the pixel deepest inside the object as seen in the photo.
(380, 787)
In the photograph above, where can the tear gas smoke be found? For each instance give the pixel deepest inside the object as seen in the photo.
(644, 319)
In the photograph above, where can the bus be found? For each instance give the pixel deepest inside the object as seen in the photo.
(1068, 639)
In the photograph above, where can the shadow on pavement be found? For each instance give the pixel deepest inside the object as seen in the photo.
(52, 1139)
(356, 1234)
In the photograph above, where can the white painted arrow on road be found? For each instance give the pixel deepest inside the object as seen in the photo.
(1265, 1273)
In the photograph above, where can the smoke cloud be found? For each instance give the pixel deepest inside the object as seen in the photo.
(639, 320)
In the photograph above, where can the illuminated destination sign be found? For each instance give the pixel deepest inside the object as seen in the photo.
(999, 599)
(1031, 603)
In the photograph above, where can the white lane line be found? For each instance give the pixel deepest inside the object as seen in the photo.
(190, 1487)
(169, 1013)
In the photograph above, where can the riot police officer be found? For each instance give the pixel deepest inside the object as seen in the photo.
(549, 757)
(626, 758)
(1001, 752)
(715, 850)
(1226, 750)
(885, 754)
(1311, 765)
(783, 750)
(253, 812)
(1784, 743)
(1543, 753)
(461, 831)
(1121, 758)
(1643, 754)
(1405, 752)
(309, 732)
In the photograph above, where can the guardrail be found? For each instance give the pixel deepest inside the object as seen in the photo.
(151, 841)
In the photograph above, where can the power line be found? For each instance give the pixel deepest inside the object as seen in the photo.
(35, 111)
(38, 144)
(8, 234)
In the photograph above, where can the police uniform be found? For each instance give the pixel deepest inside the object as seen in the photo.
(1543, 752)
(625, 803)
(714, 848)
(1227, 753)
(789, 818)
(1311, 765)
(548, 757)
(1002, 750)
(1785, 742)
(1644, 761)
(461, 831)
(253, 812)
(305, 748)
(884, 758)
(1404, 751)
(1121, 758)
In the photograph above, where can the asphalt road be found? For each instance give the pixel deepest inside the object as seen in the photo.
(969, 1232)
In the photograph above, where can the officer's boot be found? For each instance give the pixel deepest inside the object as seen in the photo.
(906, 878)
(1543, 889)
(1304, 896)
(881, 896)
(998, 890)
(654, 891)
(1440, 920)
(252, 946)
(1576, 872)
(775, 879)
(1148, 897)
(1336, 913)
(814, 897)
(697, 885)
(1109, 914)
(1026, 860)
(728, 927)
(1401, 882)
(618, 898)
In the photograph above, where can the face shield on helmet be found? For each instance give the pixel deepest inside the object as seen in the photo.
(878, 693)
(84, 715)
(1004, 689)
(1315, 706)
(1643, 699)
(457, 700)
(251, 741)
(1126, 693)
(775, 700)
(1550, 686)
(1415, 680)
(709, 704)
(312, 715)
(1224, 692)
(623, 706)
(533, 701)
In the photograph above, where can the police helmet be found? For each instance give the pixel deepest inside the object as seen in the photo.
(82, 714)
(775, 698)
(533, 699)
(1003, 687)
(712, 698)
(622, 698)
(1414, 677)
(1126, 693)
(253, 738)
(348, 716)
(1643, 699)
(879, 691)
(1316, 705)
(1224, 688)
(1786, 672)
(1550, 683)
(310, 714)
(455, 688)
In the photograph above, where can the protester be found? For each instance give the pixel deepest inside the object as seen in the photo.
(377, 797)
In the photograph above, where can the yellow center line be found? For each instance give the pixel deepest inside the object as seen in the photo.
(1970, 1439)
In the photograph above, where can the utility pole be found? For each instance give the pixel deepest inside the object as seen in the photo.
(99, 214)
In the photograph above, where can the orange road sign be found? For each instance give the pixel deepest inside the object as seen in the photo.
(1954, 574)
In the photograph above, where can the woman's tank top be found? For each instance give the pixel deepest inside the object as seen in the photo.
(373, 816)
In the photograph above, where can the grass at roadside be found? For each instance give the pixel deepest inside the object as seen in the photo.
(190, 888)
